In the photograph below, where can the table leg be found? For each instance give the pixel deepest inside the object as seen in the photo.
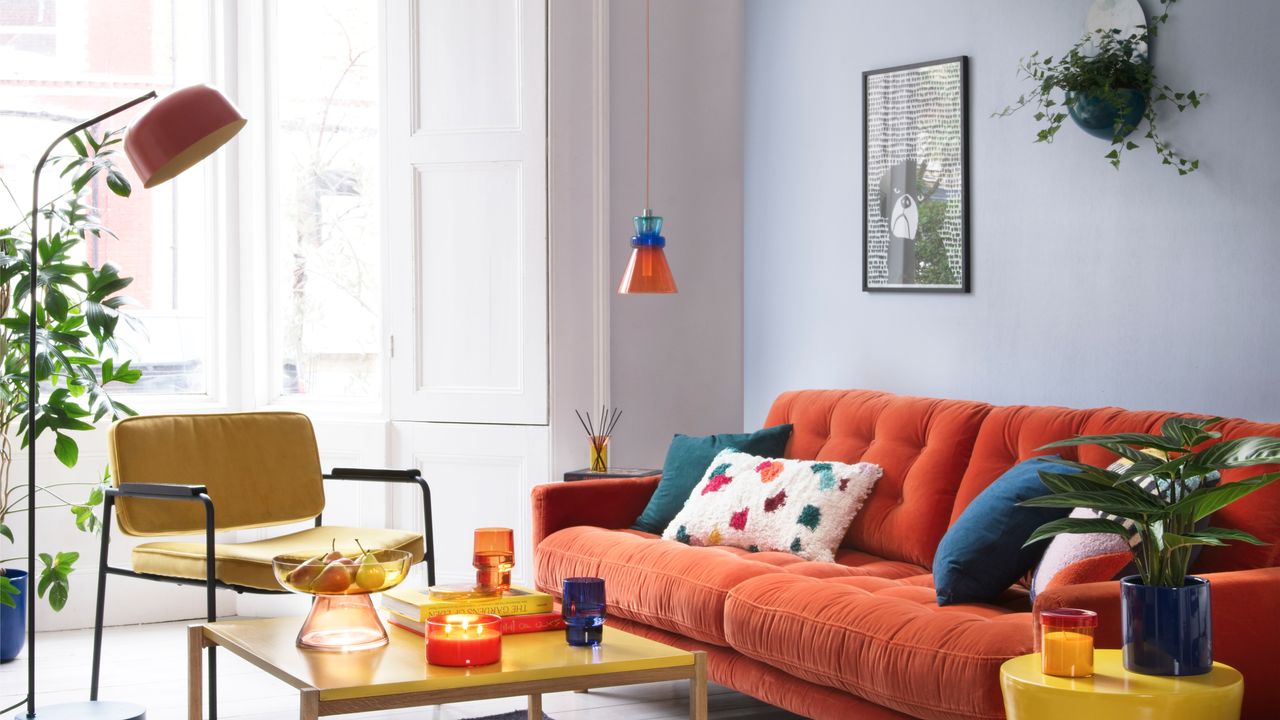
(195, 672)
(698, 687)
(308, 704)
(535, 707)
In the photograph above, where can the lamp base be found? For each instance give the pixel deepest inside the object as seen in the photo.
(93, 710)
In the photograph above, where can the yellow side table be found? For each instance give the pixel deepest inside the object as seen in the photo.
(1114, 692)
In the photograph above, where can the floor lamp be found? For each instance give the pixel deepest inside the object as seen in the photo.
(174, 134)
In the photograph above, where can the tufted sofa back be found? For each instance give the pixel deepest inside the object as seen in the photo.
(938, 455)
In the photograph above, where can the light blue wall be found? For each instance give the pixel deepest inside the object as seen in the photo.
(1135, 288)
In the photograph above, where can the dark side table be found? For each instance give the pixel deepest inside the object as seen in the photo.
(585, 474)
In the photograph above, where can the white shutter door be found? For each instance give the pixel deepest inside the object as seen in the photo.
(466, 210)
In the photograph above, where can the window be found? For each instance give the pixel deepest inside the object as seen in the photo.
(323, 160)
(319, 117)
(62, 62)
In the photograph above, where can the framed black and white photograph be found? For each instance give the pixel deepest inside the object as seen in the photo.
(915, 155)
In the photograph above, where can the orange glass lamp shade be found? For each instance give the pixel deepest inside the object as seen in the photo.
(494, 556)
(1066, 642)
(180, 130)
(464, 640)
(648, 271)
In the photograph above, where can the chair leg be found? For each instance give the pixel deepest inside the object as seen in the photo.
(100, 606)
(211, 608)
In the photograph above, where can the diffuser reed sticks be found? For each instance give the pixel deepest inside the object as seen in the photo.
(598, 432)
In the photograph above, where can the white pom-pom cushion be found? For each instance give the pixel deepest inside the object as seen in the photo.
(755, 503)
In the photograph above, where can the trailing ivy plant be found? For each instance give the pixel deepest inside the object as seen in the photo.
(77, 355)
(1102, 65)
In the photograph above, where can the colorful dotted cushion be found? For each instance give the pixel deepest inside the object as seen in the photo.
(756, 503)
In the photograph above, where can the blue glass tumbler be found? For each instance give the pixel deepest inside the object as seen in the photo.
(583, 611)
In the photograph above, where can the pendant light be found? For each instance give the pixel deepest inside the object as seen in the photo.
(647, 272)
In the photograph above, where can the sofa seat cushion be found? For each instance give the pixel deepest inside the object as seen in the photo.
(676, 587)
(249, 563)
(884, 640)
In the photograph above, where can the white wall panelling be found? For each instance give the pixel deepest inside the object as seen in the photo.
(480, 476)
(467, 230)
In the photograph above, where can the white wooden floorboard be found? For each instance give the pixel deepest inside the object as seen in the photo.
(146, 664)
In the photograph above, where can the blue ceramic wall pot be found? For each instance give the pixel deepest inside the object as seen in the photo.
(1097, 116)
(1167, 631)
(13, 620)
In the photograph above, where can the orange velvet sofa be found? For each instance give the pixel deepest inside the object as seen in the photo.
(864, 637)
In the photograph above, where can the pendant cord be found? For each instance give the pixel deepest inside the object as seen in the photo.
(646, 104)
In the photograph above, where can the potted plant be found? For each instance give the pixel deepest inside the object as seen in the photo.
(1166, 615)
(77, 358)
(1107, 85)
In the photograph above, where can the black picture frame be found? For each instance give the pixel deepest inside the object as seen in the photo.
(891, 240)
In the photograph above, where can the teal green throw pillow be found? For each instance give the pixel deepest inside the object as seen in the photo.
(982, 554)
(689, 457)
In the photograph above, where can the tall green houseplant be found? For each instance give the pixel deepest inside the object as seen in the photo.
(1186, 451)
(77, 354)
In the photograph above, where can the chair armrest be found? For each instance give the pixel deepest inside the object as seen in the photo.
(1245, 604)
(159, 491)
(412, 476)
(375, 475)
(607, 502)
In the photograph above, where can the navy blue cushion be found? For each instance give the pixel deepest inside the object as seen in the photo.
(688, 458)
(982, 554)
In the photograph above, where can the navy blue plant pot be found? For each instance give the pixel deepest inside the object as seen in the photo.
(1167, 631)
(1097, 116)
(13, 620)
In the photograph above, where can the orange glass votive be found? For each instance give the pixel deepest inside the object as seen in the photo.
(494, 557)
(464, 640)
(1066, 642)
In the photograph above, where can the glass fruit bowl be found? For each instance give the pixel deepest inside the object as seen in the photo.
(339, 574)
(342, 617)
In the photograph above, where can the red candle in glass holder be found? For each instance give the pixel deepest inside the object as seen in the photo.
(494, 556)
(464, 640)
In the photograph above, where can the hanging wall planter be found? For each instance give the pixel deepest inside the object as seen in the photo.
(1107, 85)
(1103, 117)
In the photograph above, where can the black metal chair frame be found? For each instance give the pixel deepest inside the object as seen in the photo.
(200, 494)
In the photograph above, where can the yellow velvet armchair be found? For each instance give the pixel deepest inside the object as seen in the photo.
(206, 474)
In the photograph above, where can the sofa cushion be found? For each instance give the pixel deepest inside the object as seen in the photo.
(983, 552)
(676, 587)
(757, 503)
(883, 640)
(688, 459)
(923, 444)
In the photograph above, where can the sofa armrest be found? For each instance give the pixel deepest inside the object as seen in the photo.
(1245, 603)
(607, 502)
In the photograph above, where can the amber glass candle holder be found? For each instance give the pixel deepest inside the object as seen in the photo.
(1066, 642)
(493, 558)
(464, 640)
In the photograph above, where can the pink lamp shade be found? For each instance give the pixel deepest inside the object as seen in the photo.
(180, 130)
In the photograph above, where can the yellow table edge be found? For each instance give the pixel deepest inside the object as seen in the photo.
(1027, 692)
(664, 657)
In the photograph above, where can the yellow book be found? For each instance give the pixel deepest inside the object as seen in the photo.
(416, 603)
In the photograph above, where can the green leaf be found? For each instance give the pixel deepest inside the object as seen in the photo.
(66, 450)
(1076, 526)
(1241, 452)
(118, 183)
(8, 592)
(1140, 440)
(1189, 431)
(1202, 503)
(78, 145)
(1209, 536)
(6, 532)
(1112, 501)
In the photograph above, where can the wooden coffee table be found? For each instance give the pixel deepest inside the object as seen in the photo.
(397, 675)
